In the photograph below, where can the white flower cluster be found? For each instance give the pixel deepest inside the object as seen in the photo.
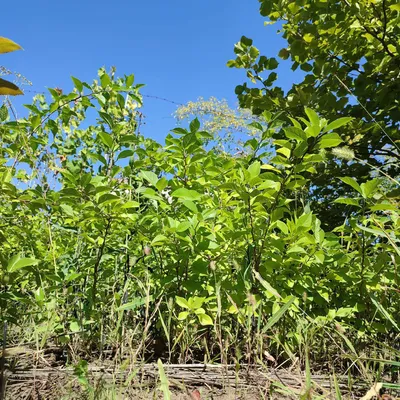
(167, 194)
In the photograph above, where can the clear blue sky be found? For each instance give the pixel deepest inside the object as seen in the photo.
(178, 48)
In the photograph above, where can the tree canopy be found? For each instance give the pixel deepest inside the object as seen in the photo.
(350, 54)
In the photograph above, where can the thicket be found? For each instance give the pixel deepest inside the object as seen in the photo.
(113, 244)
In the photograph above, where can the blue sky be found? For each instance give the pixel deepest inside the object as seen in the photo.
(179, 49)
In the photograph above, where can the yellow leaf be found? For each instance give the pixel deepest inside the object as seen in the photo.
(8, 88)
(7, 45)
(308, 37)
(392, 49)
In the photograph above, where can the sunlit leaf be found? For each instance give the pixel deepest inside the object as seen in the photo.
(9, 89)
(17, 262)
(7, 45)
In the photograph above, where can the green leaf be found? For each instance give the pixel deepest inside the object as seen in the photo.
(108, 198)
(78, 84)
(186, 194)
(182, 302)
(149, 193)
(74, 327)
(17, 262)
(190, 205)
(132, 305)
(266, 285)
(183, 226)
(67, 210)
(384, 207)
(107, 119)
(385, 313)
(161, 184)
(194, 125)
(130, 204)
(3, 113)
(278, 314)
(351, 182)
(312, 117)
(105, 80)
(350, 202)
(205, 319)
(308, 37)
(180, 131)
(164, 381)
(125, 153)
(183, 315)
(158, 240)
(337, 123)
(254, 169)
(293, 132)
(330, 140)
(150, 177)
(368, 188)
(106, 139)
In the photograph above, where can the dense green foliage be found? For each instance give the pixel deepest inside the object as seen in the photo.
(113, 243)
(350, 54)
(118, 238)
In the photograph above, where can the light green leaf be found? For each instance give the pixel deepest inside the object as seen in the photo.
(183, 315)
(330, 140)
(17, 262)
(183, 226)
(345, 200)
(67, 209)
(205, 319)
(150, 193)
(190, 205)
(337, 123)
(278, 314)
(74, 327)
(164, 381)
(385, 313)
(384, 207)
(196, 302)
(78, 84)
(130, 204)
(161, 184)
(150, 177)
(293, 132)
(254, 169)
(158, 240)
(312, 116)
(186, 194)
(182, 302)
(296, 250)
(133, 304)
(351, 182)
(369, 188)
(266, 285)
